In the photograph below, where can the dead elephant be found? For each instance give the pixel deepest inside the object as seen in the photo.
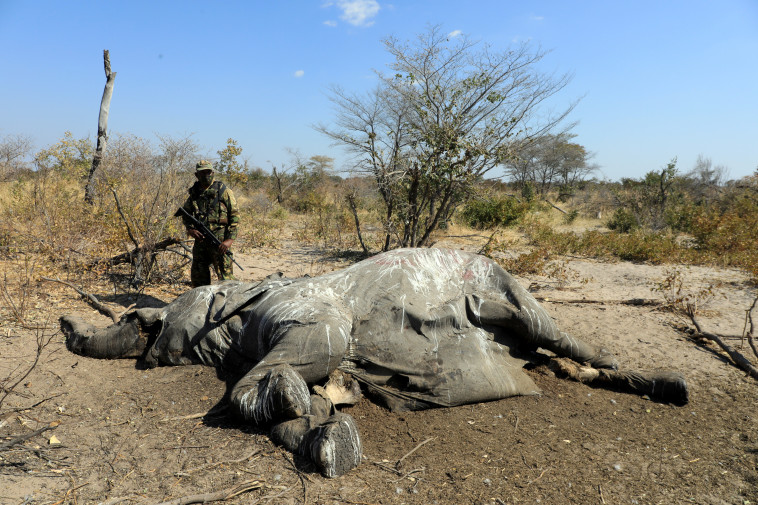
(417, 328)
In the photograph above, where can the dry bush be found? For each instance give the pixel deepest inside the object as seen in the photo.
(138, 188)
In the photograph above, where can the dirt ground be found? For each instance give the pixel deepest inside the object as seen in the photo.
(131, 436)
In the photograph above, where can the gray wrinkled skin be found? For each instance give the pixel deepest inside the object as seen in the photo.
(418, 328)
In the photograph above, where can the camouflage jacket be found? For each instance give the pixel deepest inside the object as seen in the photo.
(215, 207)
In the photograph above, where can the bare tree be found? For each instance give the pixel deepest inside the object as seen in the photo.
(705, 180)
(14, 152)
(372, 128)
(451, 111)
(102, 127)
(147, 209)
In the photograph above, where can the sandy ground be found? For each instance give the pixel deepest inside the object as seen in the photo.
(125, 435)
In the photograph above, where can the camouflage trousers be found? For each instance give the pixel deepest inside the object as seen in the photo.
(204, 256)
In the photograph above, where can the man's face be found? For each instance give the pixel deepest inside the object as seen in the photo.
(205, 177)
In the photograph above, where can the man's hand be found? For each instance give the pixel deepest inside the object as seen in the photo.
(225, 245)
(195, 234)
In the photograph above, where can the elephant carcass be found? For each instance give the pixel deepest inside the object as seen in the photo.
(418, 328)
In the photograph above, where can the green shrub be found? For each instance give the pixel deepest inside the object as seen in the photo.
(623, 221)
(570, 216)
(489, 213)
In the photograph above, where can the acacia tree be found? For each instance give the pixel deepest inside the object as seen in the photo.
(451, 110)
(548, 161)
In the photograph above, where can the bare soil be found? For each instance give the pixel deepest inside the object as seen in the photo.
(132, 436)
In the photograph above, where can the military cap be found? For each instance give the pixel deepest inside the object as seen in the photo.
(203, 165)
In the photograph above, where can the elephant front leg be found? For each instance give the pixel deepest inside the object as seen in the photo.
(271, 394)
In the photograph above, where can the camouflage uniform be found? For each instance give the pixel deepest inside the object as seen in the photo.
(216, 208)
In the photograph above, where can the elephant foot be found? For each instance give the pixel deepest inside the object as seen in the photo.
(290, 434)
(286, 395)
(334, 446)
(604, 360)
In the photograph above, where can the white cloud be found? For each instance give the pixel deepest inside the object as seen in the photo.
(299, 73)
(454, 33)
(537, 18)
(358, 12)
(331, 23)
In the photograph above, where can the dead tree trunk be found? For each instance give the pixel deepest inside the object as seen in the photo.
(102, 128)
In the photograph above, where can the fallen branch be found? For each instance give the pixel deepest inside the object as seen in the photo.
(737, 358)
(138, 252)
(749, 316)
(92, 299)
(555, 206)
(223, 495)
(22, 438)
(633, 301)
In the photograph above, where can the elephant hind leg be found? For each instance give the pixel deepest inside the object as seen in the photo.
(328, 438)
(124, 339)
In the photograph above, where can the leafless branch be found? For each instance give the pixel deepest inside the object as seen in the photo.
(737, 358)
(42, 342)
(123, 218)
(92, 299)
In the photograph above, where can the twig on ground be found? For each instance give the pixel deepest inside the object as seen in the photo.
(68, 492)
(300, 475)
(539, 477)
(397, 464)
(223, 495)
(217, 463)
(385, 467)
(21, 438)
(197, 415)
(117, 499)
(29, 407)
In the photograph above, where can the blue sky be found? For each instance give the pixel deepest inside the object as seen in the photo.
(658, 79)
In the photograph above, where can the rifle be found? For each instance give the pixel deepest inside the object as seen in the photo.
(207, 234)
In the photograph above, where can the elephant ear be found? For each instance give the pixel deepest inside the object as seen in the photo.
(148, 316)
(231, 297)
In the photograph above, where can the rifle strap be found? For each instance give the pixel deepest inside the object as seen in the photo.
(220, 188)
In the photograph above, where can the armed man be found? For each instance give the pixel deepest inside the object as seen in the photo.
(214, 208)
